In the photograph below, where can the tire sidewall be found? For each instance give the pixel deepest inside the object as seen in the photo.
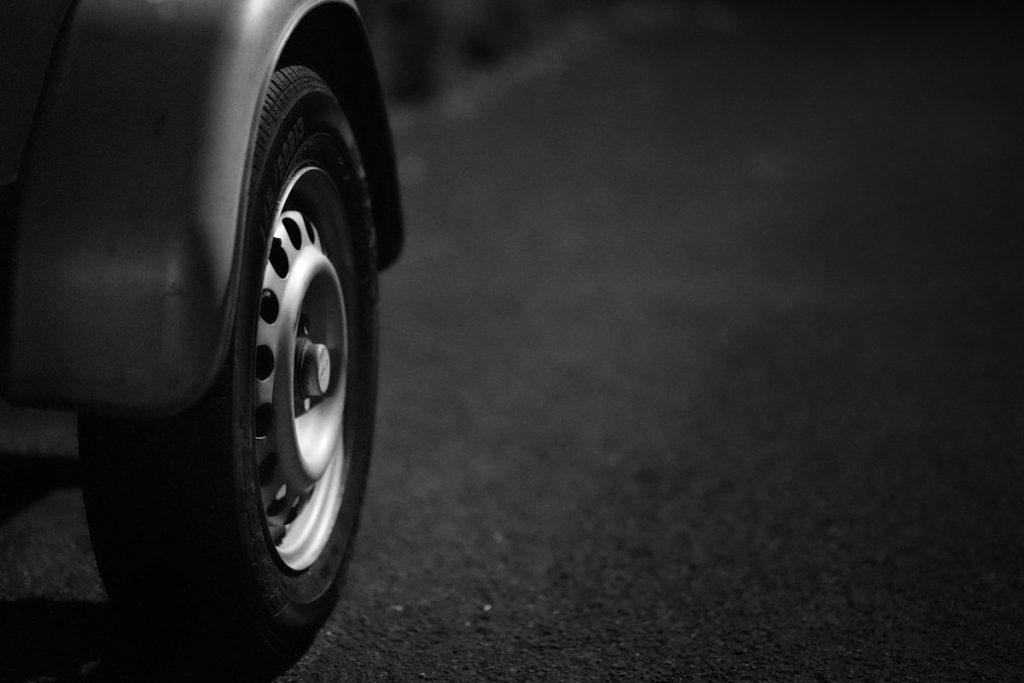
(309, 129)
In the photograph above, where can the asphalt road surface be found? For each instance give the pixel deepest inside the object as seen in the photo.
(704, 362)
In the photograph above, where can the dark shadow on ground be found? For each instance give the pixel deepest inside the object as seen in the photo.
(84, 641)
(49, 639)
(27, 478)
(64, 637)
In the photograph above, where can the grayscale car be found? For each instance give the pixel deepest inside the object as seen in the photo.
(196, 197)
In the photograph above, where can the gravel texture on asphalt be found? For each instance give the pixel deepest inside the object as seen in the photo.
(704, 361)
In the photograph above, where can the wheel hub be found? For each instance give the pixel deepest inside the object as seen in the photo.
(313, 368)
(299, 405)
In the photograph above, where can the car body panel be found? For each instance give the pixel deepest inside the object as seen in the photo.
(132, 194)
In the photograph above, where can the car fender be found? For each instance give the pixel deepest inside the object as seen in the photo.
(132, 192)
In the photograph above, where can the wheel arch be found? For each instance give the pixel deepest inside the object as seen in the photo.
(353, 77)
(122, 271)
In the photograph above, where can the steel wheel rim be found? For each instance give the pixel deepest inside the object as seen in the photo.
(301, 348)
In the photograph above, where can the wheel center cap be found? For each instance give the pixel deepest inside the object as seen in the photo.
(314, 368)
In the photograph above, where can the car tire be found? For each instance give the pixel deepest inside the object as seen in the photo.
(225, 531)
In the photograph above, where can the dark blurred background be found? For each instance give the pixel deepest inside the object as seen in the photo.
(422, 47)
